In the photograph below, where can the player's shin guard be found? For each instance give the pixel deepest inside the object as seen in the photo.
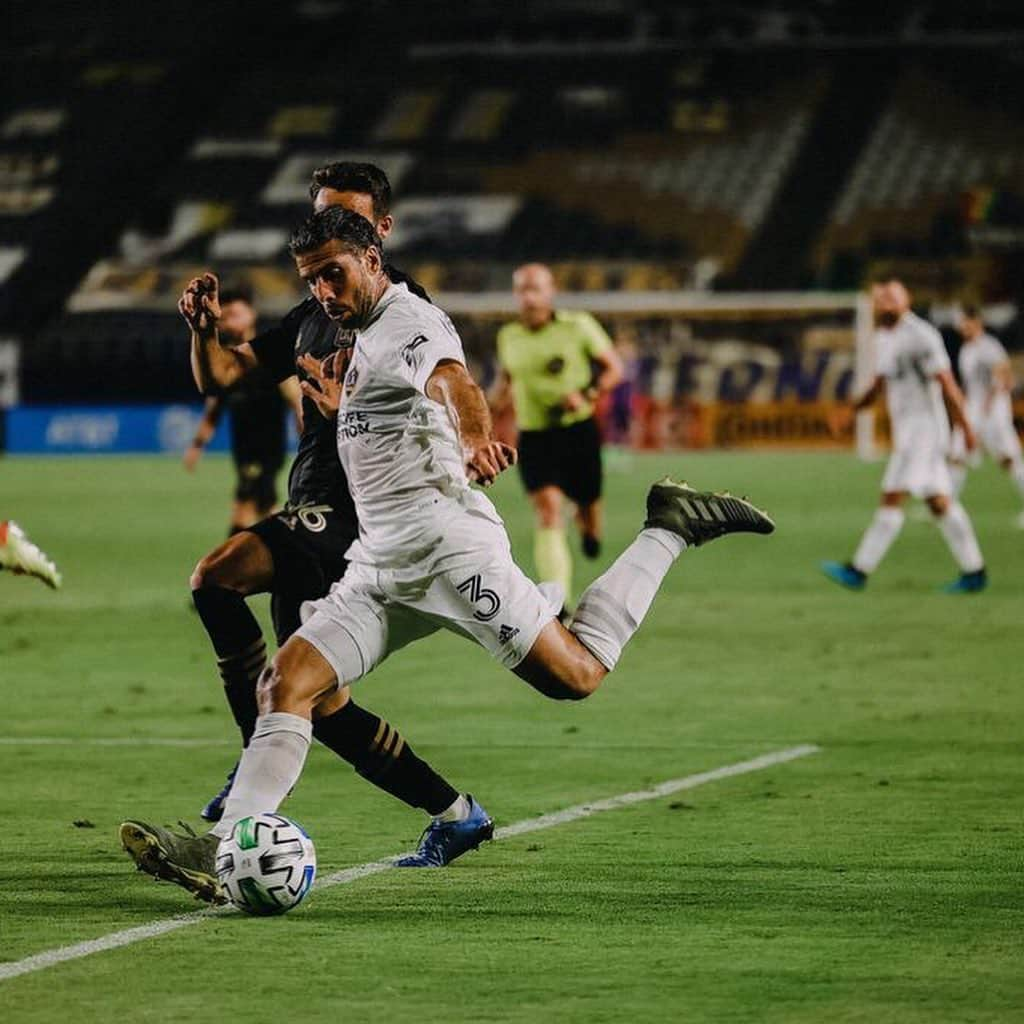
(613, 606)
(241, 650)
(379, 753)
(878, 538)
(956, 527)
(553, 558)
(269, 769)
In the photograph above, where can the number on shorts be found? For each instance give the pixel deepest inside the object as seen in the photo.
(480, 595)
(313, 518)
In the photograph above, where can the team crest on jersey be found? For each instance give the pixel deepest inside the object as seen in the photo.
(351, 380)
(409, 354)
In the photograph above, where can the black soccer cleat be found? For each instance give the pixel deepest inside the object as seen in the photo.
(700, 516)
(187, 860)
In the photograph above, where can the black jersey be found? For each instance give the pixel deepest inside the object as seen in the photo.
(316, 475)
(257, 409)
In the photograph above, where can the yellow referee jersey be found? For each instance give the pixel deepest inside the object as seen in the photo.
(549, 363)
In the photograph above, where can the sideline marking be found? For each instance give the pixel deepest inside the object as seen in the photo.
(52, 957)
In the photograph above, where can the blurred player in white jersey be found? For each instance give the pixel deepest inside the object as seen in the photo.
(988, 383)
(914, 373)
(413, 430)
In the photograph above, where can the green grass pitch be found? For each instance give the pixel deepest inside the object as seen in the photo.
(878, 880)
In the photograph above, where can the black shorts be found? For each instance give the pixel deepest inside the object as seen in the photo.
(257, 482)
(568, 458)
(308, 545)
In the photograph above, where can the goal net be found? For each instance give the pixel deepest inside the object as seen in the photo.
(712, 370)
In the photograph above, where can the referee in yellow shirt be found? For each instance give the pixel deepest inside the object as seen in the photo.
(554, 365)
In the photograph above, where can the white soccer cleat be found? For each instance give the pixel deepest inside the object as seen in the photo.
(1020, 521)
(19, 555)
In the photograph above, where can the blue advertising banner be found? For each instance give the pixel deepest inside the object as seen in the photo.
(73, 430)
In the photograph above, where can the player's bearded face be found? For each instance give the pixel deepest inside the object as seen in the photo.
(346, 285)
(890, 302)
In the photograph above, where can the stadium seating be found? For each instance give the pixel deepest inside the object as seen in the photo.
(640, 146)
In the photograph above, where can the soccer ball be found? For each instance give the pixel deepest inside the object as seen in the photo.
(267, 864)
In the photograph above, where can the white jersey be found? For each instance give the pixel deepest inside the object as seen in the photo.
(909, 356)
(399, 448)
(978, 362)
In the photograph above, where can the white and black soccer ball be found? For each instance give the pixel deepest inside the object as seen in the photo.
(267, 864)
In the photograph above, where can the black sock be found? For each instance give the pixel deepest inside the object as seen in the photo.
(241, 650)
(591, 545)
(380, 754)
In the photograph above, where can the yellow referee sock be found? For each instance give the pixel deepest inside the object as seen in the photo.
(552, 558)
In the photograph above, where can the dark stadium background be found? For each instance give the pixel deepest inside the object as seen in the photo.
(647, 146)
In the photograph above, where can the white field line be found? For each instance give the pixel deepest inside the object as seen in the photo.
(52, 957)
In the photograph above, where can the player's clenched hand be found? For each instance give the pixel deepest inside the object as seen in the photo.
(191, 457)
(486, 459)
(839, 419)
(200, 304)
(970, 438)
(324, 388)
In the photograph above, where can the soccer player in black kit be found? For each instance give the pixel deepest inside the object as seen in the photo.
(298, 553)
(256, 406)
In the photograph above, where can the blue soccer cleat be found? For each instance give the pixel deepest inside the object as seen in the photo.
(214, 810)
(845, 575)
(968, 583)
(443, 841)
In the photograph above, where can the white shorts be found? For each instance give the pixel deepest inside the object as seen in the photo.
(921, 471)
(468, 585)
(996, 435)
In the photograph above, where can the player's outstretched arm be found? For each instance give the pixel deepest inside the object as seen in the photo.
(204, 431)
(214, 366)
(451, 385)
(954, 398)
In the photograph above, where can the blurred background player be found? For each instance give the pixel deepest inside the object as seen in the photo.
(298, 553)
(554, 365)
(19, 555)
(914, 373)
(988, 384)
(256, 405)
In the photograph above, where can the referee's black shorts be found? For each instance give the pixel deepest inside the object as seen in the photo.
(568, 458)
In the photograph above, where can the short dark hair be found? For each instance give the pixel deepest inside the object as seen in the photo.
(971, 312)
(348, 176)
(335, 223)
(236, 293)
(886, 277)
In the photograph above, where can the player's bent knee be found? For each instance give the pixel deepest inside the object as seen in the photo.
(213, 570)
(298, 680)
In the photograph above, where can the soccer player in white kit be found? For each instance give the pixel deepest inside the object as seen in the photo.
(432, 553)
(914, 373)
(988, 383)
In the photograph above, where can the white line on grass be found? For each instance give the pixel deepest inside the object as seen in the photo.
(52, 957)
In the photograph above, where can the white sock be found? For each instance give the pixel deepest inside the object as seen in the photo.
(878, 538)
(270, 767)
(959, 533)
(1017, 473)
(459, 810)
(958, 474)
(613, 606)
